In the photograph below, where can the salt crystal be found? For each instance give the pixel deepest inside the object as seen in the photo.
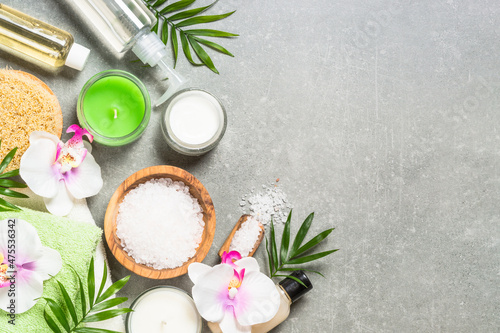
(160, 224)
(272, 203)
(246, 236)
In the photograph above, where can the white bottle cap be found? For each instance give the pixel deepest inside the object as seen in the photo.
(77, 56)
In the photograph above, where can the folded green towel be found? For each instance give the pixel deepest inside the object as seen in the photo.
(76, 242)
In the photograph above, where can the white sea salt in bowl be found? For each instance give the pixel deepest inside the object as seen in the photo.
(148, 258)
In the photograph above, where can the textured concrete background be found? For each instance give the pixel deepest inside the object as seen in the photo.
(382, 117)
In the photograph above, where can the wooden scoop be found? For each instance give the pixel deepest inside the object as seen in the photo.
(227, 243)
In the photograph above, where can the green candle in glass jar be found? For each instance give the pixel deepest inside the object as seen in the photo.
(115, 107)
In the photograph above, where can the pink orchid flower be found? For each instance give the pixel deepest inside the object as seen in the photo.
(61, 172)
(230, 257)
(234, 297)
(25, 268)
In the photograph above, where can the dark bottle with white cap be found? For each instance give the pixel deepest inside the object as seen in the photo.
(39, 42)
(290, 291)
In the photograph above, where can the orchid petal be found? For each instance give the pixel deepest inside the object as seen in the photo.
(230, 324)
(210, 293)
(27, 290)
(37, 135)
(196, 270)
(28, 243)
(62, 203)
(230, 257)
(86, 180)
(49, 264)
(236, 280)
(77, 138)
(26, 237)
(258, 299)
(248, 263)
(37, 167)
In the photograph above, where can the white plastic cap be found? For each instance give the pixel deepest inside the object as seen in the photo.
(77, 56)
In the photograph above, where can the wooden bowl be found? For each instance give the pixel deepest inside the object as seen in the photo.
(196, 189)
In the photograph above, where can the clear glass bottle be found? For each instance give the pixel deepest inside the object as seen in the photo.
(37, 41)
(125, 25)
(290, 291)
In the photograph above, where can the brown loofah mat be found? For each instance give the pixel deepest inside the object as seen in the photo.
(26, 105)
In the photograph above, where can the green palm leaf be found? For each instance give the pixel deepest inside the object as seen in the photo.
(202, 55)
(209, 33)
(301, 234)
(213, 45)
(11, 173)
(113, 289)
(180, 17)
(175, 43)
(12, 194)
(6, 160)
(312, 257)
(203, 19)
(58, 313)
(109, 304)
(176, 6)
(285, 239)
(97, 304)
(274, 252)
(69, 302)
(292, 256)
(11, 183)
(50, 322)
(91, 282)
(187, 50)
(8, 206)
(164, 33)
(312, 243)
(188, 13)
(103, 280)
(105, 315)
(92, 330)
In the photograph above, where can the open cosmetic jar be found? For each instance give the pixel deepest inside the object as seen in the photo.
(163, 309)
(114, 106)
(194, 121)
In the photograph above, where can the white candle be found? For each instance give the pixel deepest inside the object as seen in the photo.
(164, 310)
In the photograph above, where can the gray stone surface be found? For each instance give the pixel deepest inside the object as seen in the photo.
(382, 117)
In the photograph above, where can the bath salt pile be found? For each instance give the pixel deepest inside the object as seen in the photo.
(271, 203)
(160, 224)
(244, 239)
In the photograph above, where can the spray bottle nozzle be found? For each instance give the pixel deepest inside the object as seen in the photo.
(175, 81)
(151, 50)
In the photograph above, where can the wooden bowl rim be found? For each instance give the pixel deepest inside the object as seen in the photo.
(163, 171)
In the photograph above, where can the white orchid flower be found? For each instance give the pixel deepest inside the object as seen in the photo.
(24, 265)
(234, 294)
(61, 172)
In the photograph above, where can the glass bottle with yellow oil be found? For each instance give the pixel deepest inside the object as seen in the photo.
(39, 42)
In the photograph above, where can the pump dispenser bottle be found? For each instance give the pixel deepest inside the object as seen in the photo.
(39, 42)
(126, 24)
(290, 291)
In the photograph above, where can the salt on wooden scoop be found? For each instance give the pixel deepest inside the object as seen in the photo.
(244, 234)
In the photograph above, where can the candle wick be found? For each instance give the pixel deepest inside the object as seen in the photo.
(116, 113)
